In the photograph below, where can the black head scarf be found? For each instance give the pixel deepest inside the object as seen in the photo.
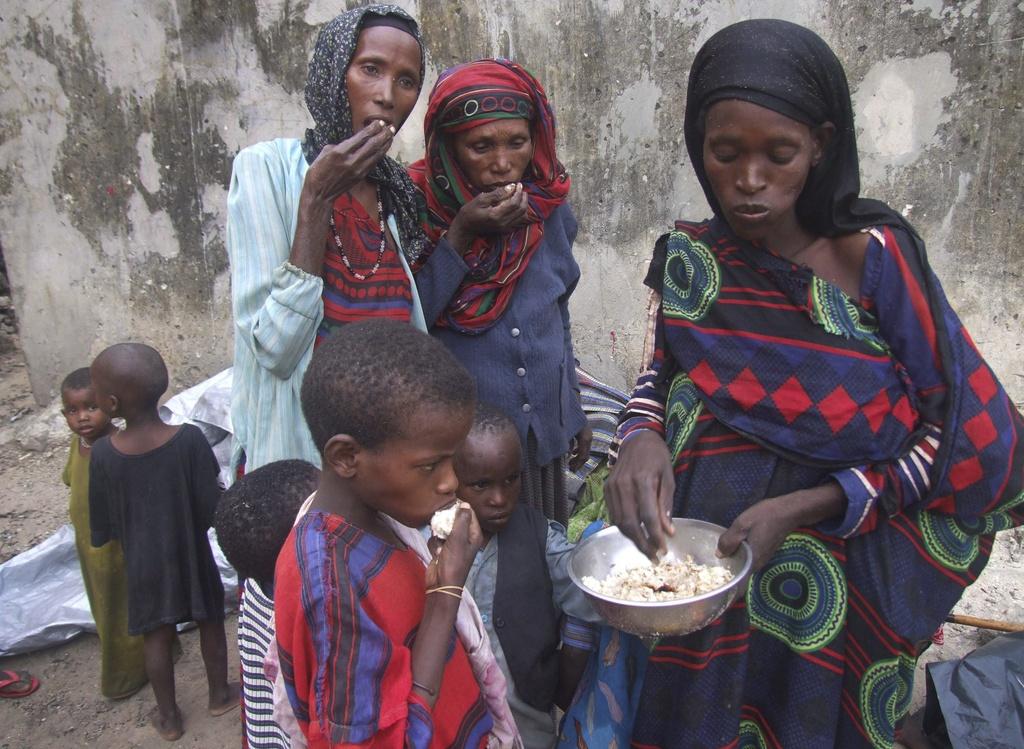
(327, 101)
(791, 70)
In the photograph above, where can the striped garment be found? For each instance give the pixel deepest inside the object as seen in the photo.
(347, 606)
(255, 633)
(767, 380)
(602, 404)
(275, 305)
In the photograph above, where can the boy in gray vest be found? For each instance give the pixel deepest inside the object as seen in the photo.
(537, 620)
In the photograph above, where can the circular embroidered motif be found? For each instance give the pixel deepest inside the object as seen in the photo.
(751, 736)
(682, 407)
(999, 519)
(953, 542)
(692, 278)
(885, 697)
(800, 595)
(837, 314)
(949, 541)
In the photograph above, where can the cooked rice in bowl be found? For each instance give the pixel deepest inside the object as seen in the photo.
(669, 580)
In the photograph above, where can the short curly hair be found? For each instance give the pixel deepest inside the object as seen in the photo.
(369, 377)
(256, 513)
(80, 379)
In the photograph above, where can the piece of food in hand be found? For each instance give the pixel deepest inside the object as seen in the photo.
(666, 581)
(444, 520)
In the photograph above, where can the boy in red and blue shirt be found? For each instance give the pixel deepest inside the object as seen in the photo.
(364, 629)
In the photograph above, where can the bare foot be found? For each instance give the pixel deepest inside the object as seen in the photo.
(170, 729)
(224, 701)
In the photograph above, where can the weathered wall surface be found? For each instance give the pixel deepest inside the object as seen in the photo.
(119, 119)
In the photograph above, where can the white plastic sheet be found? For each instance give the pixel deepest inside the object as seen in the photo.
(42, 597)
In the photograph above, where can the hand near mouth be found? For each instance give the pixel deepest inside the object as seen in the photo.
(454, 556)
(341, 166)
(495, 211)
(337, 169)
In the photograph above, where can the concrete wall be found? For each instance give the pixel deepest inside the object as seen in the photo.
(119, 119)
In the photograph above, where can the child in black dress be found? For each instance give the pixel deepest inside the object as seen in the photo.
(154, 487)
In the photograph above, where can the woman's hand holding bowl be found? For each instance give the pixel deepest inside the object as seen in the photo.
(766, 524)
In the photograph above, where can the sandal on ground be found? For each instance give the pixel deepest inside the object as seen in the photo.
(15, 684)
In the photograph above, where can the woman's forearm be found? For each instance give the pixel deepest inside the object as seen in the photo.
(811, 506)
(310, 238)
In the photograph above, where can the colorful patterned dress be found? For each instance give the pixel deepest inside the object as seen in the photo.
(384, 291)
(767, 379)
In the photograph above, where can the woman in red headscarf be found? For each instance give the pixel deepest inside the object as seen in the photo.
(497, 289)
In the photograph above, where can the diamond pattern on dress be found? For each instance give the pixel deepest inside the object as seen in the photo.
(905, 413)
(838, 409)
(965, 473)
(791, 399)
(746, 389)
(876, 410)
(704, 377)
(982, 383)
(981, 431)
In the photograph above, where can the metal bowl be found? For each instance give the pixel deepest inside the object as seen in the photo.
(596, 555)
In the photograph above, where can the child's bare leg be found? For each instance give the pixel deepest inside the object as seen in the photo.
(214, 645)
(156, 650)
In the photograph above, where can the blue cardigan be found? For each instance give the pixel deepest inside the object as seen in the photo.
(524, 364)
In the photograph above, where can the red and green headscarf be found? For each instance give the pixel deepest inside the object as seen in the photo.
(464, 97)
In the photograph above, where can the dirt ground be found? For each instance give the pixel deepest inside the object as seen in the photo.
(68, 710)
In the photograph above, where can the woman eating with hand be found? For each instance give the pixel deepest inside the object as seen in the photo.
(322, 231)
(496, 285)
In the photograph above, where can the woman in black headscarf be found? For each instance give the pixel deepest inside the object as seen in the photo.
(812, 391)
(322, 231)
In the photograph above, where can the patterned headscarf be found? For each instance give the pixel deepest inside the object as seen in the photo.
(791, 70)
(468, 96)
(327, 101)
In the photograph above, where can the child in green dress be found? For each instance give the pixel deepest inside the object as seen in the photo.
(122, 671)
